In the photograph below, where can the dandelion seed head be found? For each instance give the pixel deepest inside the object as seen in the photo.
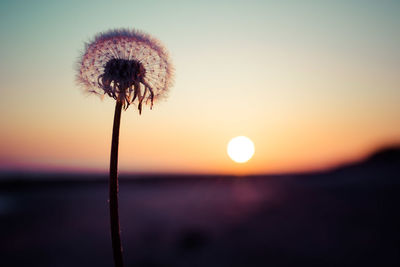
(128, 65)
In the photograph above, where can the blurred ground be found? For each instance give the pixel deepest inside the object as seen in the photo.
(342, 217)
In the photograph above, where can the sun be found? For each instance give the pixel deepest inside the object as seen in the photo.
(240, 149)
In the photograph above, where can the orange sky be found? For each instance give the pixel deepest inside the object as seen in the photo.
(312, 86)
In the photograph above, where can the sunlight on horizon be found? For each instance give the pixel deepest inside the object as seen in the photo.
(312, 84)
(240, 149)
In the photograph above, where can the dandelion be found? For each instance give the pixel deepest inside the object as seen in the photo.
(126, 65)
(133, 68)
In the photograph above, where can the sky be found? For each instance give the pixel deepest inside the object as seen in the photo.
(312, 83)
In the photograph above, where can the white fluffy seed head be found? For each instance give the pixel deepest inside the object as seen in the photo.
(126, 45)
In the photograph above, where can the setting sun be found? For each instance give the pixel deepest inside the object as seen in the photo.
(240, 149)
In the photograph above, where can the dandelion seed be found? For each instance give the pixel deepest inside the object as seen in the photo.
(126, 63)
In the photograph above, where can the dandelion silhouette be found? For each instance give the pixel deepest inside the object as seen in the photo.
(133, 68)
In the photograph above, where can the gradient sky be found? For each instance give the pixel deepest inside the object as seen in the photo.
(312, 83)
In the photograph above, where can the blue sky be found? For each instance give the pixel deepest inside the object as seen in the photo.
(308, 81)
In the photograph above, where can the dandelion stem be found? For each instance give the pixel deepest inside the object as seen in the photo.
(114, 217)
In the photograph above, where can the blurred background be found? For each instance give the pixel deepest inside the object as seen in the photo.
(312, 83)
(347, 216)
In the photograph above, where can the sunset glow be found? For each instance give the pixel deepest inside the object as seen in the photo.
(312, 84)
(240, 149)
